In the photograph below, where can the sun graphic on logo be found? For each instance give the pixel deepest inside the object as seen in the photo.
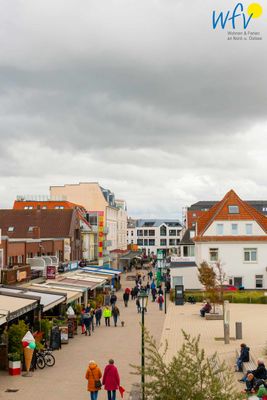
(255, 9)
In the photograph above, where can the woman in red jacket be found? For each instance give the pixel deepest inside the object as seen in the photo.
(111, 380)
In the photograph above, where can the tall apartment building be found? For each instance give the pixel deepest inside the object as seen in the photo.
(153, 234)
(96, 199)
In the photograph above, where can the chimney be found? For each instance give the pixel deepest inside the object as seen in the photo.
(36, 232)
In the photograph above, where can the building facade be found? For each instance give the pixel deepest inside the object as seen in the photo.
(30, 233)
(155, 234)
(234, 233)
(95, 198)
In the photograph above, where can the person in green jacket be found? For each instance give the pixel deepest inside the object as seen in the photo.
(262, 392)
(107, 314)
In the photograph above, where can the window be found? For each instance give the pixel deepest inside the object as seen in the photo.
(131, 233)
(234, 229)
(214, 254)
(172, 232)
(233, 209)
(30, 228)
(248, 229)
(131, 241)
(59, 207)
(250, 255)
(20, 259)
(44, 207)
(151, 242)
(194, 214)
(11, 229)
(140, 242)
(219, 229)
(163, 242)
(259, 281)
(145, 232)
(264, 209)
(172, 242)
(163, 230)
(151, 232)
(145, 242)
(139, 232)
(177, 241)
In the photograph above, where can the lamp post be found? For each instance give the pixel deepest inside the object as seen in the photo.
(143, 304)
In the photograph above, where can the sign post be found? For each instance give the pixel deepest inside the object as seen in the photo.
(226, 322)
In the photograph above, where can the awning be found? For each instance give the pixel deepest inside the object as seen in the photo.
(47, 300)
(16, 306)
(78, 282)
(183, 264)
(3, 317)
(69, 294)
(101, 271)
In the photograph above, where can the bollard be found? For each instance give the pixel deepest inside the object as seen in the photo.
(238, 330)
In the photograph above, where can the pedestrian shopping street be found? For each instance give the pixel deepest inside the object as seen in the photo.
(66, 380)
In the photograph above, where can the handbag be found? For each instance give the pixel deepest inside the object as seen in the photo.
(98, 383)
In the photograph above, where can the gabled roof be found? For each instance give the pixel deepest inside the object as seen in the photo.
(52, 223)
(220, 212)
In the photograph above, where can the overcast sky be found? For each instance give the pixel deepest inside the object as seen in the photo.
(140, 95)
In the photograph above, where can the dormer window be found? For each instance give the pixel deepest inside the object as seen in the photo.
(11, 229)
(233, 209)
(30, 228)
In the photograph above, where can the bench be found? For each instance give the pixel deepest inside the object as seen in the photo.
(250, 365)
(214, 316)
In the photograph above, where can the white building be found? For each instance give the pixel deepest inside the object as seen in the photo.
(235, 234)
(153, 234)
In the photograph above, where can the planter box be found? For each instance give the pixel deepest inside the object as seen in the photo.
(214, 316)
(14, 367)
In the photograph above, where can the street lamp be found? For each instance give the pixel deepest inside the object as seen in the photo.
(143, 297)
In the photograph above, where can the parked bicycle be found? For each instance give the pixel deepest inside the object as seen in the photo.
(48, 357)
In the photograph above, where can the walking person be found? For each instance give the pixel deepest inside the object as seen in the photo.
(87, 320)
(98, 316)
(148, 288)
(126, 298)
(115, 314)
(160, 302)
(107, 314)
(93, 376)
(138, 305)
(111, 380)
(132, 294)
(113, 299)
(154, 294)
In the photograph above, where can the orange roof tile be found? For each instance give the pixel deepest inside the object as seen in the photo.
(219, 212)
(230, 239)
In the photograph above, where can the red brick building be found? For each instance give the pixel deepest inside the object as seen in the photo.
(29, 233)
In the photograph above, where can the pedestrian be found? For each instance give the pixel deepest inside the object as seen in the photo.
(126, 298)
(115, 314)
(154, 294)
(148, 288)
(153, 285)
(138, 305)
(132, 294)
(98, 316)
(150, 274)
(160, 291)
(88, 308)
(92, 313)
(93, 375)
(111, 380)
(82, 321)
(87, 319)
(160, 301)
(113, 299)
(107, 314)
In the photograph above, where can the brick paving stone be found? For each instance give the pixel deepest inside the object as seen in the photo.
(66, 379)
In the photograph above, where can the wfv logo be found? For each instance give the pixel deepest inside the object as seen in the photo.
(254, 11)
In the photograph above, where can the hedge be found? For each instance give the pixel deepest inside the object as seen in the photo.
(245, 297)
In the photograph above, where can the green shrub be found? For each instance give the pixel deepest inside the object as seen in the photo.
(14, 357)
(242, 297)
(15, 335)
(46, 326)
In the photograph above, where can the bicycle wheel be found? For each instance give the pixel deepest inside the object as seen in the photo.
(49, 360)
(40, 361)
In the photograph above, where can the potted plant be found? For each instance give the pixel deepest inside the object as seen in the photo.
(14, 363)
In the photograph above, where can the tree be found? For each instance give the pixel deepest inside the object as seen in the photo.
(190, 375)
(212, 277)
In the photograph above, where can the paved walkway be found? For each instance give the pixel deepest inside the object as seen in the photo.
(252, 316)
(66, 379)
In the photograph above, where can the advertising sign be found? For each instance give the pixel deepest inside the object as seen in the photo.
(51, 272)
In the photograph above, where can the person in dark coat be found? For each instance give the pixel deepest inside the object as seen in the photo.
(255, 375)
(205, 309)
(243, 357)
(126, 298)
(113, 299)
(111, 380)
(115, 314)
(154, 293)
(98, 316)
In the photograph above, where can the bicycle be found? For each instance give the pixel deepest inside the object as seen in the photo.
(48, 357)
